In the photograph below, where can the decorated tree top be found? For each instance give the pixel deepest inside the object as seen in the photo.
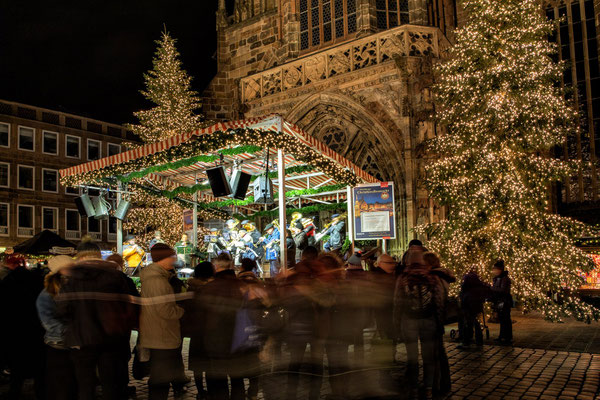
(169, 87)
(502, 109)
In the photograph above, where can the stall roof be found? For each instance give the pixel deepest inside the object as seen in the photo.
(313, 170)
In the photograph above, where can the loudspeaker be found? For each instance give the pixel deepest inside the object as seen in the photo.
(239, 183)
(80, 207)
(263, 190)
(102, 207)
(218, 182)
(122, 209)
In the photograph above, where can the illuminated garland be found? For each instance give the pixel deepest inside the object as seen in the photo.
(305, 210)
(222, 140)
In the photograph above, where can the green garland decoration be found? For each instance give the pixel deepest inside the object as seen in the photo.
(299, 169)
(187, 162)
(305, 210)
(218, 141)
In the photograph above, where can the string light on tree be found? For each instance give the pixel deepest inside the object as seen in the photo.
(497, 98)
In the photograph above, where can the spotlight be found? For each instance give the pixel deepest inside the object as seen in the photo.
(122, 209)
(85, 206)
(102, 207)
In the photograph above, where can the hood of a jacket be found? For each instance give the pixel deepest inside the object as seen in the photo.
(91, 269)
(154, 270)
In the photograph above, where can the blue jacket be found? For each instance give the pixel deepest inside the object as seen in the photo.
(273, 251)
(51, 321)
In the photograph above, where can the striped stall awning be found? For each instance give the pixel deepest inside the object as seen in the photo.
(299, 175)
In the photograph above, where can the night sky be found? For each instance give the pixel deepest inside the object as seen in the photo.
(87, 57)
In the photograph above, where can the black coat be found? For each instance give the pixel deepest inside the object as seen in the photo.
(473, 293)
(501, 289)
(97, 319)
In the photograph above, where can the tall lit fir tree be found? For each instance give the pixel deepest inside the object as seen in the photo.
(502, 110)
(169, 87)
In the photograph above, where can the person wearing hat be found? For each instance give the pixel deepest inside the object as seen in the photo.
(132, 252)
(502, 301)
(337, 234)
(22, 335)
(60, 372)
(271, 244)
(160, 330)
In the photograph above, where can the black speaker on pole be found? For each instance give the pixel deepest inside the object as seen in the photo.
(80, 207)
(239, 183)
(218, 182)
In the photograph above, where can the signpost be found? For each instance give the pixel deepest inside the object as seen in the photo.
(374, 211)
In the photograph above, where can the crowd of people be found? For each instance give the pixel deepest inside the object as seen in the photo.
(70, 327)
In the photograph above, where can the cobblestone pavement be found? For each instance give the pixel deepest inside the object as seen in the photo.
(537, 367)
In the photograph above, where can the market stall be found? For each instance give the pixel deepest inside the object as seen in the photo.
(303, 170)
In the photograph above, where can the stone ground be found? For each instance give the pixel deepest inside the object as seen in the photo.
(547, 361)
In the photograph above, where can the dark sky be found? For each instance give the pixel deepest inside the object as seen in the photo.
(87, 57)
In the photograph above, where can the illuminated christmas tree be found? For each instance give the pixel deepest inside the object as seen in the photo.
(503, 111)
(169, 87)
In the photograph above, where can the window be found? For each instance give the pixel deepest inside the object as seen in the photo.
(25, 220)
(4, 135)
(25, 177)
(50, 142)
(94, 151)
(72, 190)
(50, 218)
(26, 138)
(95, 228)
(325, 21)
(72, 146)
(4, 218)
(50, 180)
(112, 229)
(4, 175)
(391, 13)
(113, 149)
(72, 221)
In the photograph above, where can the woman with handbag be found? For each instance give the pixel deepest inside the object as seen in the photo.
(502, 301)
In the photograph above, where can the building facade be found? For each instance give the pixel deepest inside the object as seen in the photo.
(356, 74)
(35, 143)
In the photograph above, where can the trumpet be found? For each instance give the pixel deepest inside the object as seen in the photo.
(325, 229)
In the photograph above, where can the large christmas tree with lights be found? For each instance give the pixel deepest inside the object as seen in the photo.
(169, 87)
(502, 112)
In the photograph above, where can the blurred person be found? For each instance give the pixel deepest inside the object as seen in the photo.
(358, 289)
(160, 330)
(442, 382)
(193, 325)
(503, 300)
(22, 334)
(97, 324)
(61, 383)
(418, 309)
(473, 293)
(222, 298)
(383, 279)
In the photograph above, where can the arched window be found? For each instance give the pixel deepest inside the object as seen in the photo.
(326, 21)
(391, 13)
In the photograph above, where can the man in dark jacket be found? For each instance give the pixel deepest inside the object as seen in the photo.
(94, 301)
(502, 301)
(222, 299)
(473, 293)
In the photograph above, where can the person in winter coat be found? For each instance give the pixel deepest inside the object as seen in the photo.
(473, 293)
(337, 234)
(418, 312)
(383, 281)
(291, 249)
(95, 302)
(61, 383)
(222, 298)
(442, 382)
(22, 334)
(502, 301)
(357, 289)
(193, 324)
(159, 323)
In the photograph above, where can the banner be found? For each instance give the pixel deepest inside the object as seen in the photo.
(374, 215)
(188, 220)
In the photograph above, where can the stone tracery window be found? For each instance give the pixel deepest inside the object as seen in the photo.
(391, 13)
(334, 138)
(371, 167)
(326, 21)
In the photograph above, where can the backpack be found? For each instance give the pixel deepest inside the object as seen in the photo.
(419, 296)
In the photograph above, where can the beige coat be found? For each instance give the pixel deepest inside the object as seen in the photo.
(159, 323)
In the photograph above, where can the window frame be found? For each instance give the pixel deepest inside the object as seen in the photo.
(99, 225)
(66, 220)
(72, 194)
(8, 133)
(108, 145)
(78, 147)
(8, 183)
(44, 132)
(387, 12)
(19, 138)
(57, 180)
(19, 177)
(32, 207)
(334, 39)
(55, 229)
(87, 147)
(7, 219)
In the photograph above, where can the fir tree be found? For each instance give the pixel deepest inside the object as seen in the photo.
(169, 87)
(502, 110)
